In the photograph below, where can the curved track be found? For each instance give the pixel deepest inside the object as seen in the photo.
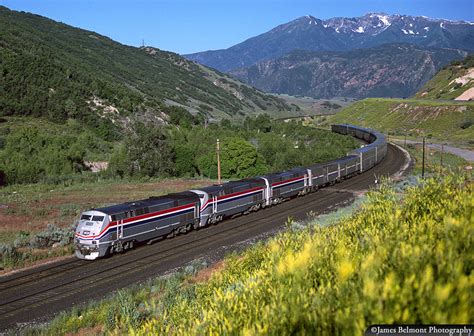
(39, 293)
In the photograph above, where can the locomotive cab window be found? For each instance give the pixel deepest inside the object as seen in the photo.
(97, 218)
(118, 216)
(86, 217)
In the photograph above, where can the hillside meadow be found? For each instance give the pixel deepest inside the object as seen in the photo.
(436, 161)
(450, 82)
(445, 121)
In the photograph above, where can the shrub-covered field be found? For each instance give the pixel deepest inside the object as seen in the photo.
(405, 256)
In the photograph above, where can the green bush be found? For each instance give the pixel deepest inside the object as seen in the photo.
(20, 251)
(145, 152)
(260, 145)
(240, 159)
(184, 161)
(51, 235)
(53, 154)
(31, 154)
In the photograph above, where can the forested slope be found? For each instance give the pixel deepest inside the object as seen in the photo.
(53, 70)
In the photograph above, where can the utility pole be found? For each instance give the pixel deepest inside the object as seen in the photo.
(442, 152)
(218, 163)
(423, 161)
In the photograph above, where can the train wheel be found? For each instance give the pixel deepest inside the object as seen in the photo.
(109, 252)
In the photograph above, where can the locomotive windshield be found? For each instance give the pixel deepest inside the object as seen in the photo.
(92, 218)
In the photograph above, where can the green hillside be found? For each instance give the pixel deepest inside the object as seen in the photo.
(56, 71)
(451, 82)
(446, 121)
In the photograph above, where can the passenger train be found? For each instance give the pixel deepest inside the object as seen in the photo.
(116, 228)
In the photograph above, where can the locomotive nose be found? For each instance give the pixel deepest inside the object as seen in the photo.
(87, 235)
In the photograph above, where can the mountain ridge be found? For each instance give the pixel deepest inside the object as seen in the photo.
(389, 70)
(338, 34)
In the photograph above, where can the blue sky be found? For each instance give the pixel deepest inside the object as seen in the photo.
(186, 26)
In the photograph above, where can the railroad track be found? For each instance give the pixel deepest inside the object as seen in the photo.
(37, 294)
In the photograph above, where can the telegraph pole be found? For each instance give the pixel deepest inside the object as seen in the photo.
(442, 152)
(423, 161)
(218, 163)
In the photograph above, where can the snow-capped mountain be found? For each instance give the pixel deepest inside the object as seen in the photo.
(339, 34)
(372, 24)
